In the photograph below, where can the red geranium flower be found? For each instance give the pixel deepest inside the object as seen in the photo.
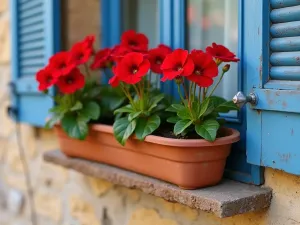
(102, 59)
(88, 41)
(132, 68)
(135, 41)
(60, 64)
(71, 82)
(118, 52)
(80, 53)
(205, 69)
(165, 47)
(114, 81)
(221, 53)
(156, 57)
(45, 78)
(178, 63)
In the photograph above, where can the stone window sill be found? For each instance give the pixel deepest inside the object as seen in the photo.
(229, 198)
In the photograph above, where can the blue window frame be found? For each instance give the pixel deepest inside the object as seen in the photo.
(173, 33)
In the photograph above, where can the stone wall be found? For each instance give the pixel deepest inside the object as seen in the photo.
(64, 197)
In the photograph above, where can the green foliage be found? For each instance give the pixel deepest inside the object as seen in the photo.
(201, 117)
(75, 111)
(141, 117)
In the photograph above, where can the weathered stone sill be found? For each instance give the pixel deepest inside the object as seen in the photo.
(229, 198)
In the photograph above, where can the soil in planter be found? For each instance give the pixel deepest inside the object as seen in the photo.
(165, 130)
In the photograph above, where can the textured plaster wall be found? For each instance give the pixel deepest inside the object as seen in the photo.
(65, 197)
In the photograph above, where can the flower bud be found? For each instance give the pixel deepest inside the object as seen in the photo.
(226, 68)
(179, 80)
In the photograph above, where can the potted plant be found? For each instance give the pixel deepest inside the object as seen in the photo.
(182, 143)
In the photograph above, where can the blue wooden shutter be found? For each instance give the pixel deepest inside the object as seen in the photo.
(273, 74)
(35, 37)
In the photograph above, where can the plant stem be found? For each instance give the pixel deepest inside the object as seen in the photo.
(215, 87)
(87, 71)
(137, 90)
(179, 92)
(127, 93)
(157, 81)
(191, 91)
(149, 81)
(186, 94)
(204, 94)
(194, 91)
(199, 94)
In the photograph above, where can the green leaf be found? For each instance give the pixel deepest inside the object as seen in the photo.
(155, 100)
(226, 107)
(181, 125)
(55, 118)
(175, 108)
(123, 129)
(134, 115)
(125, 109)
(74, 126)
(208, 129)
(204, 107)
(146, 126)
(77, 106)
(93, 92)
(184, 113)
(173, 119)
(90, 110)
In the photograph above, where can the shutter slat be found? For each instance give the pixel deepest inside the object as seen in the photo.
(32, 46)
(285, 72)
(285, 14)
(31, 13)
(38, 27)
(29, 71)
(285, 59)
(289, 29)
(275, 4)
(285, 44)
(32, 62)
(31, 21)
(39, 53)
(30, 5)
(33, 37)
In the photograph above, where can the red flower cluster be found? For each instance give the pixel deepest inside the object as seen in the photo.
(130, 69)
(221, 53)
(62, 68)
(157, 56)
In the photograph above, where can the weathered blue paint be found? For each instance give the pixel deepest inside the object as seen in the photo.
(273, 124)
(35, 37)
(277, 100)
(285, 59)
(289, 29)
(285, 44)
(283, 84)
(285, 72)
(287, 14)
(280, 146)
(283, 3)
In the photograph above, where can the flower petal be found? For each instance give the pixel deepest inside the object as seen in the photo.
(188, 68)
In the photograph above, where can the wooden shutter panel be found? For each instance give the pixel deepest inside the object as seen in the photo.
(35, 37)
(285, 43)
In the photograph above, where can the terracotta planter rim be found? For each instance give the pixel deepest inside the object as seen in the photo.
(233, 137)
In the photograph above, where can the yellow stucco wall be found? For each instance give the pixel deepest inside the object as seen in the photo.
(64, 197)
